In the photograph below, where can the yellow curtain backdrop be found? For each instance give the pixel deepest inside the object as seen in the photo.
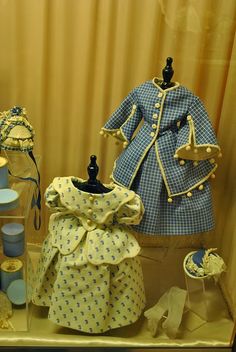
(71, 62)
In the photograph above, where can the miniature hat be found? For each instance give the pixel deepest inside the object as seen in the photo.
(16, 133)
(203, 263)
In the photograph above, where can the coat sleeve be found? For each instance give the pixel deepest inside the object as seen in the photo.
(196, 138)
(131, 213)
(124, 121)
(52, 199)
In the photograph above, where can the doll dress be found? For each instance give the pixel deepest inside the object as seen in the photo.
(168, 157)
(89, 273)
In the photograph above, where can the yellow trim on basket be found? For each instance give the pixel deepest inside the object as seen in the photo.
(190, 155)
(110, 131)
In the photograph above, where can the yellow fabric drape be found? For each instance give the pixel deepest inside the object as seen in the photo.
(71, 62)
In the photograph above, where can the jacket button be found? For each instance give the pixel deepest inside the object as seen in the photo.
(155, 116)
(152, 134)
(154, 126)
(160, 95)
(157, 105)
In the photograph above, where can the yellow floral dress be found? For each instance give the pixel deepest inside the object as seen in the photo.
(89, 273)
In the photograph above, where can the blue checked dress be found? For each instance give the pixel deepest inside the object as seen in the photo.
(169, 160)
(89, 273)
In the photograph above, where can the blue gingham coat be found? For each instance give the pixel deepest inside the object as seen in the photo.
(168, 160)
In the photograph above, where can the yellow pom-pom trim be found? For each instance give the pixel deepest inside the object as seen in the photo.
(201, 187)
(101, 132)
(118, 133)
(213, 176)
(170, 200)
(212, 161)
(125, 144)
(208, 150)
(176, 156)
(188, 147)
(189, 194)
(195, 163)
(182, 162)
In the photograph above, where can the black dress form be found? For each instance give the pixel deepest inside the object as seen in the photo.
(92, 185)
(167, 74)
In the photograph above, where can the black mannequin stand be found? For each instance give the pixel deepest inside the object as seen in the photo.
(167, 74)
(92, 185)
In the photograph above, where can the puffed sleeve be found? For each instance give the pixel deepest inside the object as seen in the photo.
(52, 199)
(196, 137)
(131, 213)
(124, 121)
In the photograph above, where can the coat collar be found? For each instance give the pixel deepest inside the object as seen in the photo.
(156, 82)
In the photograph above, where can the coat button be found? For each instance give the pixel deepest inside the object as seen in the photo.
(152, 134)
(157, 105)
(154, 126)
(90, 211)
(89, 222)
(182, 162)
(155, 116)
(160, 95)
(91, 198)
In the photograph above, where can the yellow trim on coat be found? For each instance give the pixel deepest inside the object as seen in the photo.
(111, 131)
(167, 89)
(150, 144)
(197, 151)
(165, 179)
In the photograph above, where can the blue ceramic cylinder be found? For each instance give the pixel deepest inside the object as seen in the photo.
(13, 239)
(11, 269)
(3, 173)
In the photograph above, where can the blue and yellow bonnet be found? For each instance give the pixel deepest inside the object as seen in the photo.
(16, 133)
